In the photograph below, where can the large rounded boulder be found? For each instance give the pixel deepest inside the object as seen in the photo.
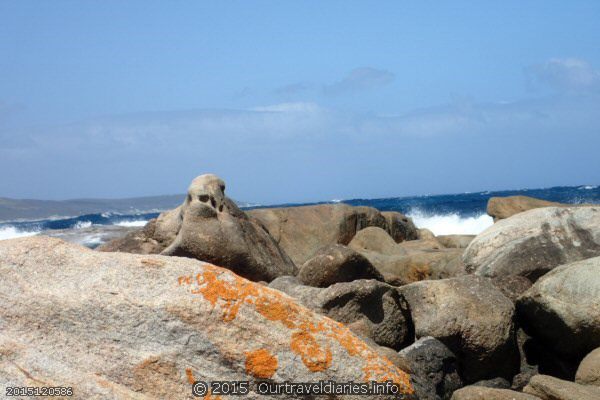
(532, 243)
(562, 309)
(336, 263)
(128, 326)
(470, 316)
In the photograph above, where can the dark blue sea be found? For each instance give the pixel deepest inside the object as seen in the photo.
(463, 213)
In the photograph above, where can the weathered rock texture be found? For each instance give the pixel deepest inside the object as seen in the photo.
(336, 263)
(504, 207)
(370, 308)
(302, 231)
(209, 227)
(533, 242)
(470, 316)
(588, 372)
(550, 388)
(562, 309)
(115, 325)
(433, 368)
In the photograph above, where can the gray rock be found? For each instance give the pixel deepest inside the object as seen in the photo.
(588, 372)
(550, 388)
(336, 263)
(562, 309)
(470, 316)
(127, 326)
(534, 242)
(433, 369)
(370, 308)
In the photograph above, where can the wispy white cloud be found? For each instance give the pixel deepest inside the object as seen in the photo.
(565, 74)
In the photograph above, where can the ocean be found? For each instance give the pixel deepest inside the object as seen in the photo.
(462, 213)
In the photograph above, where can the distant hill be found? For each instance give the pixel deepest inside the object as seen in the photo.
(27, 209)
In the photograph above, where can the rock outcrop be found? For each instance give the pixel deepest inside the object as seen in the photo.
(116, 325)
(302, 231)
(209, 227)
(370, 308)
(550, 388)
(470, 316)
(531, 243)
(504, 207)
(336, 263)
(433, 369)
(562, 309)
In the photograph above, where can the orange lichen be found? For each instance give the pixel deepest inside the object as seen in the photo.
(261, 364)
(314, 357)
(276, 311)
(228, 291)
(190, 376)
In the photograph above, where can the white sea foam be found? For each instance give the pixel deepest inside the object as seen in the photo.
(10, 232)
(588, 187)
(448, 224)
(132, 223)
(82, 224)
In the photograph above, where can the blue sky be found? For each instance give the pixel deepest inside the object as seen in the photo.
(297, 101)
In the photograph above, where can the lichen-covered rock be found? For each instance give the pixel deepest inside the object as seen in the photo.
(504, 207)
(550, 388)
(370, 308)
(302, 231)
(470, 316)
(562, 309)
(116, 325)
(336, 263)
(433, 368)
(208, 226)
(533, 242)
(588, 372)
(485, 393)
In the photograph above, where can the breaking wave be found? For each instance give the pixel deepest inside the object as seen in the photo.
(448, 224)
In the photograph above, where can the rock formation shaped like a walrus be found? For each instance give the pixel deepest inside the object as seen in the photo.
(127, 326)
(210, 227)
